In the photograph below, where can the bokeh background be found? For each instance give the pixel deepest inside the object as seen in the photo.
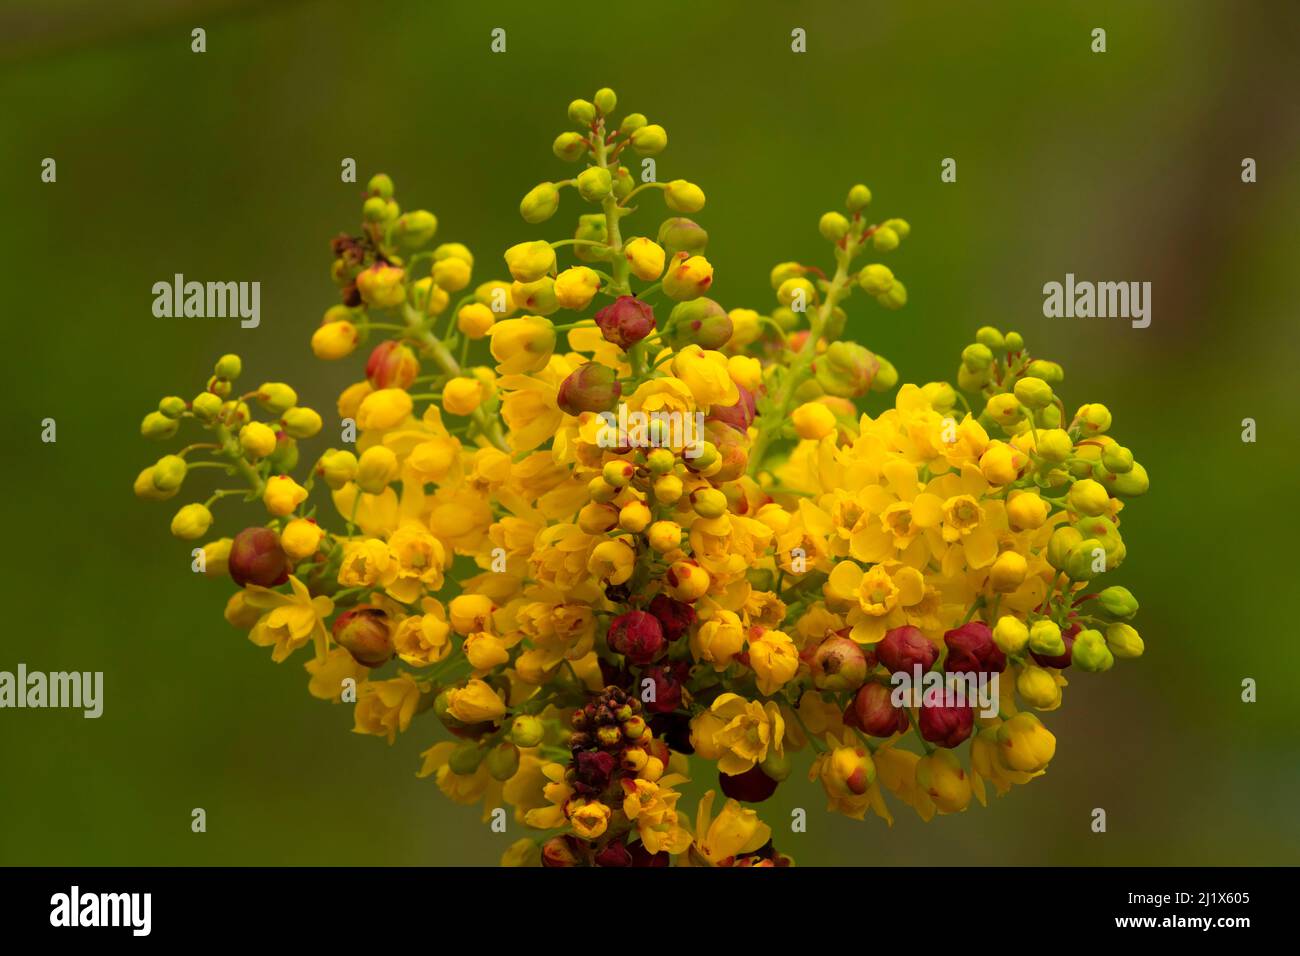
(1115, 166)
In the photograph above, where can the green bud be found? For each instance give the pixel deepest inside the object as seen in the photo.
(833, 226)
(680, 234)
(1013, 342)
(502, 761)
(660, 461)
(527, 731)
(895, 297)
(1049, 416)
(301, 422)
(1079, 562)
(1090, 652)
(594, 183)
(1124, 641)
(1064, 540)
(206, 406)
(582, 112)
(1033, 392)
(1045, 638)
(885, 239)
(631, 123)
(592, 227)
(276, 397)
(569, 146)
(623, 183)
(1118, 602)
(859, 198)
(414, 230)
(158, 426)
(777, 766)
(1117, 459)
(649, 140)
(606, 100)
(465, 759)
(708, 455)
(786, 317)
(1131, 484)
(380, 185)
(991, 337)
(375, 209)
(285, 457)
(972, 380)
(977, 357)
(172, 406)
(540, 203)
(1049, 372)
(229, 367)
(169, 473)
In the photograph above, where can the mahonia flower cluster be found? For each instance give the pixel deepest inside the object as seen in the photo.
(658, 534)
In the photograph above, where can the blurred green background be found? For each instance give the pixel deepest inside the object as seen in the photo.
(225, 166)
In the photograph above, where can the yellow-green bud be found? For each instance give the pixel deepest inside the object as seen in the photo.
(257, 440)
(886, 376)
(1132, 483)
(569, 146)
(205, 406)
(1049, 416)
(502, 761)
(1013, 341)
(1088, 497)
(989, 336)
(338, 468)
(833, 226)
(594, 183)
(229, 367)
(1033, 392)
(1093, 418)
(527, 731)
(977, 356)
(169, 473)
(683, 196)
(301, 422)
(1045, 638)
(414, 230)
(1118, 601)
(380, 185)
(1124, 641)
(709, 503)
(606, 100)
(1117, 459)
(465, 759)
(884, 239)
(540, 203)
(158, 426)
(895, 297)
(859, 198)
(1010, 634)
(276, 397)
(1049, 372)
(1079, 563)
(660, 461)
(1054, 445)
(631, 123)
(1090, 652)
(876, 279)
(972, 380)
(1064, 540)
(191, 522)
(649, 140)
(172, 406)
(582, 112)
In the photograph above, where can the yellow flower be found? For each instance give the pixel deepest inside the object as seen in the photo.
(381, 286)
(736, 831)
(522, 345)
(612, 561)
(290, 620)
(1025, 745)
(329, 673)
(748, 731)
(590, 820)
(424, 639)
(384, 708)
(706, 374)
(384, 409)
(418, 559)
(475, 703)
(653, 807)
(718, 640)
(775, 660)
(366, 563)
(941, 776)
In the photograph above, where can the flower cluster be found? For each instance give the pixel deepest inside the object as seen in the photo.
(654, 534)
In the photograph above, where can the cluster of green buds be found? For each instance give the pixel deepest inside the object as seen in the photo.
(1057, 464)
(238, 444)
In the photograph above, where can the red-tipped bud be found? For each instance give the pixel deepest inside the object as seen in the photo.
(740, 415)
(636, 635)
(364, 633)
(903, 648)
(625, 321)
(592, 387)
(971, 650)
(257, 558)
(392, 365)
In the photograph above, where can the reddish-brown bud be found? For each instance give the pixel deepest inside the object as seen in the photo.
(625, 321)
(971, 650)
(637, 635)
(874, 714)
(365, 634)
(905, 647)
(676, 617)
(946, 726)
(257, 558)
(591, 387)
